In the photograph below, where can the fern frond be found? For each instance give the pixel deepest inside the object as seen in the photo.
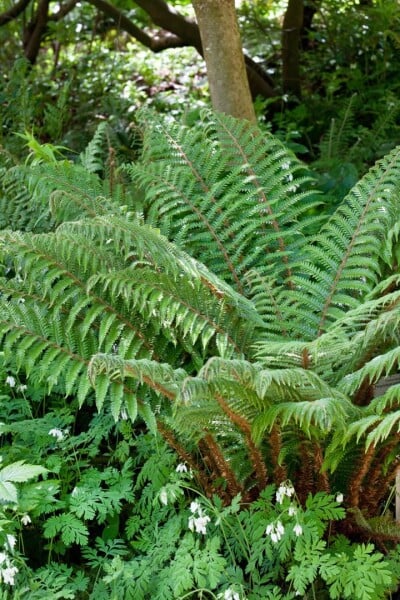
(92, 158)
(379, 366)
(343, 260)
(18, 209)
(233, 196)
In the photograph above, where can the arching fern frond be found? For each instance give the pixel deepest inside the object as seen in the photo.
(343, 260)
(233, 195)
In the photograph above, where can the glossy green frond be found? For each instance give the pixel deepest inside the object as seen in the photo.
(379, 366)
(343, 260)
(229, 199)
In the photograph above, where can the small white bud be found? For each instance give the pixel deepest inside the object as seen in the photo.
(163, 497)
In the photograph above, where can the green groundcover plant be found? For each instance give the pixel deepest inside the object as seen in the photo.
(198, 307)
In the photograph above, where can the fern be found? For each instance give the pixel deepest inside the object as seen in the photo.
(222, 314)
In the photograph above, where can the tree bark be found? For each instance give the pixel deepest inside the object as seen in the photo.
(311, 7)
(291, 30)
(222, 48)
(35, 31)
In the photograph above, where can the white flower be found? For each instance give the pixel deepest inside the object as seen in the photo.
(164, 496)
(195, 507)
(292, 510)
(10, 380)
(199, 524)
(3, 557)
(285, 166)
(270, 529)
(11, 540)
(25, 520)
(181, 468)
(284, 490)
(339, 498)
(231, 595)
(57, 433)
(280, 530)
(8, 574)
(298, 530)
(275, 531)
(22, 387)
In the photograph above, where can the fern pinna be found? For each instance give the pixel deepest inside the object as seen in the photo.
(227, 313)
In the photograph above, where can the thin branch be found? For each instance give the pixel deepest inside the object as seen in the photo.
(161, 41)
(64, 10)
(13, 12)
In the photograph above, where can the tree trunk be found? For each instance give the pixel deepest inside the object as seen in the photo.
(311, 7)
(34, 32)
(292, 25)
(222, 48)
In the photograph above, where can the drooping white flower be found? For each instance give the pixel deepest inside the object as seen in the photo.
(339, 498)
(195, 507)
(298, 530)
(292, 511)
(275, 531)
(8, 575)
(22, 387)
(231, 595)
(280, 530)
(10, 380)
(199, 524)
(25, 520)
(181, 468)
(285, 489)
(57, 433)
(11, 541)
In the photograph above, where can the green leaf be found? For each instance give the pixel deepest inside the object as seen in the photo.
(8, 493)
(20, 472)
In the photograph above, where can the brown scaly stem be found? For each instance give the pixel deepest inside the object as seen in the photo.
(304, 483)
(224, 469)
(255, 455)
(364, 394)
(322, 477)
(360, 472)
(385, 483)
(378, 483)
(275, 442)
(185, 456)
